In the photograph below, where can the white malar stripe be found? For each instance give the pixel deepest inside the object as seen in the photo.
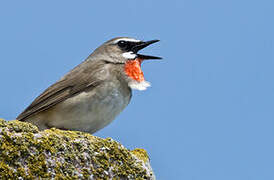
(126, 39)
(129, 55)
(141, 86)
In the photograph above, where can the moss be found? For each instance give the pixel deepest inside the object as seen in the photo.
(141, 154)
(28, 153)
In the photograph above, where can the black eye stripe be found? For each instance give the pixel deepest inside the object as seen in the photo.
(122, 44)
(126, 45)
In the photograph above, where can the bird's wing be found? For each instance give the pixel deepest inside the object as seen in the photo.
(79, 79)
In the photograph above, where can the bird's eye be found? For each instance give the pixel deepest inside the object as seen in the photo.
(122, 44)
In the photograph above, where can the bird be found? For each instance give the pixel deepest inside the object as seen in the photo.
(92, 94)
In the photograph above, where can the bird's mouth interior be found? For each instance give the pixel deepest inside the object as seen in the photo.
(142, 45)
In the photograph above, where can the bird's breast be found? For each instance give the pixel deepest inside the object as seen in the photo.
(91, 110)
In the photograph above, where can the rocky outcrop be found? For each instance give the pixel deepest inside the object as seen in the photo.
(26, 153)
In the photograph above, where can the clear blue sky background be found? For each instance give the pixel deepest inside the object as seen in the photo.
(209, 114)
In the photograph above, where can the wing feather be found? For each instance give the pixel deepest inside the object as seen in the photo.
(79, 79)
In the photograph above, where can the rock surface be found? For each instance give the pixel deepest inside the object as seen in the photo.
(26, 153)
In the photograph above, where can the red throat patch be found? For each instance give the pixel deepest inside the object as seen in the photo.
(133, 69)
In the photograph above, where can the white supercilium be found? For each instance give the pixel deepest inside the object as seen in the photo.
(126, 39)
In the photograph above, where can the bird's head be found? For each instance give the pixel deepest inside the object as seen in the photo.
(124, 50)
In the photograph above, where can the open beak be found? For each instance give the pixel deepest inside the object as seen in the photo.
(142, 45)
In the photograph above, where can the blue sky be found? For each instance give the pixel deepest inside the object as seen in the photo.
(209, 114)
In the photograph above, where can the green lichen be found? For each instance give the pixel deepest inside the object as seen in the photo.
(30, 154)
(141, 154)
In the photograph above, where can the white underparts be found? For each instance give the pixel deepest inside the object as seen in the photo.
(141, 86)
(129, 55)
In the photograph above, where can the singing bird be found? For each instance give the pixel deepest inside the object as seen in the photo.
(92, 94)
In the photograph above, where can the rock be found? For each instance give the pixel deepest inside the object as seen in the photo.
(26, 153)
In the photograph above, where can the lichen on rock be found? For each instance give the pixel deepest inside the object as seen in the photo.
(27, 153)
